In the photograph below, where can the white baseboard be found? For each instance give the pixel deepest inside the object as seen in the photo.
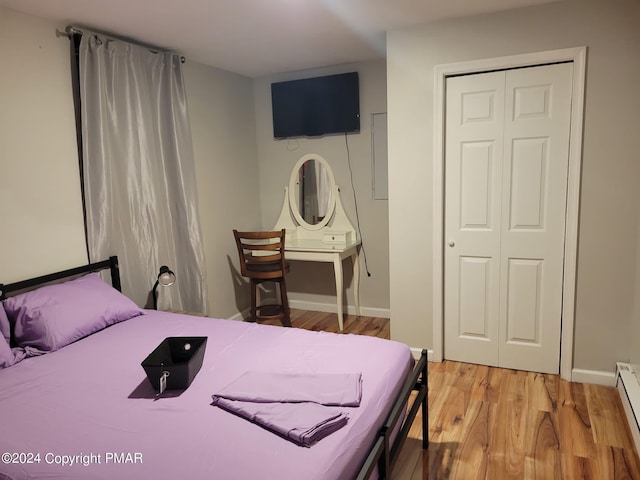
(325, 307)
(595, 377)
(417, 353)
(331, 308)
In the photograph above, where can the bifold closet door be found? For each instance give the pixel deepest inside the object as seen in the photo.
(507, 150)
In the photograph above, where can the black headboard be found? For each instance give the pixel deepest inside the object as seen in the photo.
(111, 263)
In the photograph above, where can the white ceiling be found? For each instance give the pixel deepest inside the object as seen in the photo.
(259, 37)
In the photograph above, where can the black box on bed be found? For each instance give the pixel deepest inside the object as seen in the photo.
(177, 359)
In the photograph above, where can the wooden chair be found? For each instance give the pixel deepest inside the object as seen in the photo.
(262, 260)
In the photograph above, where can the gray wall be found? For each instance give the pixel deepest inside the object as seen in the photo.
(39, 188)
(312, 285)
(223, 131)
(230, 120)
(39, 183)
(606, 310)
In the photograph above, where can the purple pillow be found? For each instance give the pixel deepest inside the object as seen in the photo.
(5, 328)
(53, 316)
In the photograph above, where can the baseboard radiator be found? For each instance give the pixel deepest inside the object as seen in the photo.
(628, 385)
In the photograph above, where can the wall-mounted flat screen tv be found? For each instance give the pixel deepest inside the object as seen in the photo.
(316, 106)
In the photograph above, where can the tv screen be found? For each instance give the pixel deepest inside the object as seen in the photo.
(316, 106)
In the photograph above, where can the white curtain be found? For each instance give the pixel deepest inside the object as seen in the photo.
(139, 178)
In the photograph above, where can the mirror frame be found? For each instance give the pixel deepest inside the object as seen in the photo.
(293, 203)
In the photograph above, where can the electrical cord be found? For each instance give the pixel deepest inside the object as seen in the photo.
(355, 202)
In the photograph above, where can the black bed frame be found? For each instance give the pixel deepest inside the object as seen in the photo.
(385, 449)
(111, 263)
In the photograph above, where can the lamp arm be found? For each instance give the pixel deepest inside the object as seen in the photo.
(155, 295)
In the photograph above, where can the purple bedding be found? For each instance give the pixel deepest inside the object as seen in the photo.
(297, 407)
(302, 423)
(344, 389)
(87, 411)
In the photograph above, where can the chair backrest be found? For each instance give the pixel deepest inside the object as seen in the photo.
(261, 254)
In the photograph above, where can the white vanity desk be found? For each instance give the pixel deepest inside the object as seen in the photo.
(316, 251)
(318, 229)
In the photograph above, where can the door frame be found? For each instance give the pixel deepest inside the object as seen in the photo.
(578, 56)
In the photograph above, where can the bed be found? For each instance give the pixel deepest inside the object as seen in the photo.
(85, 408)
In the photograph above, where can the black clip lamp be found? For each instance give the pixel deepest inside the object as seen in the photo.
(166, 278)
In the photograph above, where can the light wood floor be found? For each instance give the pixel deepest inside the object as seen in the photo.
(492, 423)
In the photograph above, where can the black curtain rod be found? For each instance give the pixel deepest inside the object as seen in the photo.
(70, 30)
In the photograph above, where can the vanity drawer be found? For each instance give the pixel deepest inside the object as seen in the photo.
(334, 236)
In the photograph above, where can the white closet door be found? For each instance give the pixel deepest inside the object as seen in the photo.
(507, 137)
(473, 205)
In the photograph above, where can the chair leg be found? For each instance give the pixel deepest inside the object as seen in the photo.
(284, 300)
(254, 300)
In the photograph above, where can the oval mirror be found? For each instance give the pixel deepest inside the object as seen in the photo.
(311, 193)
